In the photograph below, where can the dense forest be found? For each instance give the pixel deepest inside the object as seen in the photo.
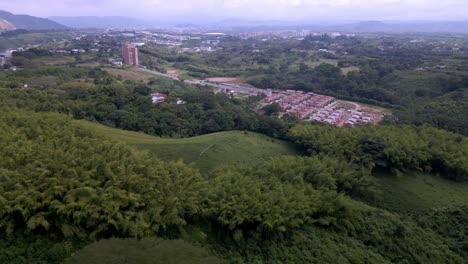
(384, 148)
(127, 105)
(61, 180)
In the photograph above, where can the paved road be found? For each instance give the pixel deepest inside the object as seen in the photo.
(160, 74)
(164, 75)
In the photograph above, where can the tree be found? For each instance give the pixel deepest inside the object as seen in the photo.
(373, 149)
(272, 109)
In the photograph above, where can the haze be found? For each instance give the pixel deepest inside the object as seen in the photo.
(293, 10)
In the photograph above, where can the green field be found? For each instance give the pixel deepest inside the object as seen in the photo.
(347, 70)
(419, 192)
(317, 63)
(54, 61)
(235, 148)
(129, 74)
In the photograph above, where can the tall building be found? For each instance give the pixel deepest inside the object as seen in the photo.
(130, 54)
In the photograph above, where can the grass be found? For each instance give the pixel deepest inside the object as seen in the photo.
(144, 251)
(315, 64)
(130, 74)
(347, 70)
(56, 60)
(233, 148)
(380, 108)
(184, 75)
(419, 192)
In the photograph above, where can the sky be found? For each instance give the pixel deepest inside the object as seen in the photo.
(292, 10)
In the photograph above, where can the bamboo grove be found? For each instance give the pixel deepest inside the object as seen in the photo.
(58, 177)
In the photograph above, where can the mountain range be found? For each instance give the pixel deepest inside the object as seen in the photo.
(9, 21)
(351, 27)
(120, 22)
(109, 22)
(405, 27)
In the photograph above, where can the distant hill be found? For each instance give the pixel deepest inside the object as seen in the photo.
(372, 26)
(115, 22)
(246, 25)
(29, 22)
(6, 26)
(405, 27)
(352, 27)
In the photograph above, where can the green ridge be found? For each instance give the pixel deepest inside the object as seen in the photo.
(235, 148)
(419, 191)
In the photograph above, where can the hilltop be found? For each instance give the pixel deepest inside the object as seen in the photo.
(6, 26)
(28, 22)
(121, 22)
(235, 148)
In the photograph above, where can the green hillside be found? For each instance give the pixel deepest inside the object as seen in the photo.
(419, 192)
(6, 26)
(235, 148)
(148, 250)
(68, 183)
(29, 22)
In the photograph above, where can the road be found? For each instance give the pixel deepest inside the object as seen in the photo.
(196, 82)
(164, 75)
(160, 74)
(357, 107)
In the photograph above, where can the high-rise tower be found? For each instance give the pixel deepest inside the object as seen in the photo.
(130, 54)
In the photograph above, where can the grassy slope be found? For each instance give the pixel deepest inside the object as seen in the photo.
(419, 192)
(408, 193)
(208, 151)
(129, 74)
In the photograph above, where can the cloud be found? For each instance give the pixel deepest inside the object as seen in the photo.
(255, 9)
(292, 3)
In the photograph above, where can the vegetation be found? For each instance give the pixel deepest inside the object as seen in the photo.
(424, 83)
(145, 251)
(446, 112)
(30, 22)
(22, 37)
(372, 236)
(419, 192)
(88, 191)
(232, 148)
(383, 147)
(127, 105)
(61, 178)
(57, 176)
(450, 223)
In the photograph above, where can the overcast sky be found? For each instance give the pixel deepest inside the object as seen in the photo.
(318, 10)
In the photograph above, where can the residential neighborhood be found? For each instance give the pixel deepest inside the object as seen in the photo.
(324, 109)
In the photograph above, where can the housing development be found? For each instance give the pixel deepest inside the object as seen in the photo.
(324, 109)
(303, 105)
